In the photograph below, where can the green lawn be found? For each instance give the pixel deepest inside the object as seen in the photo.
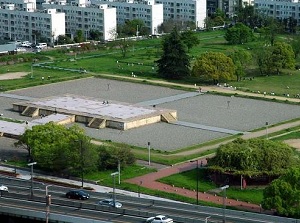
(188, 180)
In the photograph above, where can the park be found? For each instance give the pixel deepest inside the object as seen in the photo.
(202, 118)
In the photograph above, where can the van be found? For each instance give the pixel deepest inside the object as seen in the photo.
(41, 45)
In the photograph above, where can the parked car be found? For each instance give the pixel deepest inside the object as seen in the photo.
(41, 45)
(3, 188)
(77, 194)
(26, 44)
(110, 202)
(159, 219)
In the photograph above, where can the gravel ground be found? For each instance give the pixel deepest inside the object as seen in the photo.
(219, 111)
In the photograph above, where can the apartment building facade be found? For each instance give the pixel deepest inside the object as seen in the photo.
(146, 10)
(280, 9)
(185, 10)
(21, 21)
(81, 15)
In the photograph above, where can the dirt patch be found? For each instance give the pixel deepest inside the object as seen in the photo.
(10, 76)
(293, 143)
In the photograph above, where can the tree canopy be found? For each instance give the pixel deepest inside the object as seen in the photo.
(239, 34)
(254, 157)
(283, 194)
(174, 62)
(271, 59)
(214, 66)
(57, 148)
(190, 39)
(241, 59)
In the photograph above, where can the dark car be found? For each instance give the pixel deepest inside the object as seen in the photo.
(77, 194)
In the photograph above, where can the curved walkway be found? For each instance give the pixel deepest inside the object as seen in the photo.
(150, 181)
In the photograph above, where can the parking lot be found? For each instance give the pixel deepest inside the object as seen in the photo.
(233, 113)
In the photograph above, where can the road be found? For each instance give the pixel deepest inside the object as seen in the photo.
(135, 210)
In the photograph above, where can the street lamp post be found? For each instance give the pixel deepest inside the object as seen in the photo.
(149, 155)
(119, 171)
(114, 188)
(48, 203)
(139, 188)
(224, 202)
(31, 187)
(267, 134)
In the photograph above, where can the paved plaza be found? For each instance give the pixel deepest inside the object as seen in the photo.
(202, 117)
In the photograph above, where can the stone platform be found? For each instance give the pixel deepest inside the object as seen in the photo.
(96, 112)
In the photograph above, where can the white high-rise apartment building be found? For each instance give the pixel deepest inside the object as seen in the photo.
(280, 9)
(185, 10)
(19, 20)
(148, 11)
(81, 15)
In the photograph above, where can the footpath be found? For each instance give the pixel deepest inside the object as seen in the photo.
(151, 180)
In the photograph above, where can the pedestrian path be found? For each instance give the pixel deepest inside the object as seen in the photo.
(206, 127)
(151, 181)
(15, 96)
(168, 99)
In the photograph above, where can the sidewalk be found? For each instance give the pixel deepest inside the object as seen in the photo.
(150, 181)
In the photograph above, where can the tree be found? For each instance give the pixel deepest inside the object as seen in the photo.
(240, 58)
(174, 62)
(282, 56)
(133, 28)
(239, 34)
(283, 194)
(271, 59)
(271, 30)
(295, 43)
(123, 44)
(57, 148)
(214, 66)
(61, 39)
(255, 157)
(109, 157)
(79, 36)
(95, 35)
(190, 39)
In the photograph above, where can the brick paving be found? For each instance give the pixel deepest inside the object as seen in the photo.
(150, 181)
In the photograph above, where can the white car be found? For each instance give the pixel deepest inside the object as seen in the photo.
(3, 188)
(159, 219)
(110, 202)
(26, 44)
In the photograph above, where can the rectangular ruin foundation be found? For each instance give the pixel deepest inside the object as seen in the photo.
(96, 113)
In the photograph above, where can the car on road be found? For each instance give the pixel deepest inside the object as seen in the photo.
(110, 202)
(3, 188)
(77, 194)
(159, 219)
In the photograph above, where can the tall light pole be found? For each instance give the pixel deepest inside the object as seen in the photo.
(149, 155)
(82, 161)
(139, 188)
(224, 202)
(197, 176)
(119, 170)
(31, 187)
(114, 188)
(48, 203)
(267, 134)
